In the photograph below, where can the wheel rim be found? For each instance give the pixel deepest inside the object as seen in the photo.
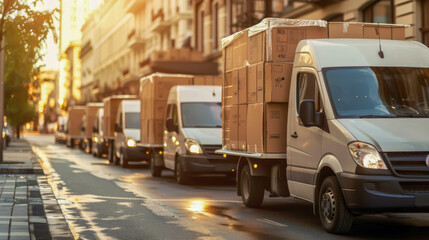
(245, 185)
(328, 205)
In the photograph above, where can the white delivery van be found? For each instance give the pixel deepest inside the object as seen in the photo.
(192, 133)
(357, 132)
(99, 145)
(127, 134)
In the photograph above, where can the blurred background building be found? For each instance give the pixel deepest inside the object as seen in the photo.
(107, 51)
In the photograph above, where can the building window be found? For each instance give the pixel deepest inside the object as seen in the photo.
(200, 37)
(425, 22)
(215, 25)
(380, 11)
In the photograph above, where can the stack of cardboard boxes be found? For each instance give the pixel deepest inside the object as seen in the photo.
(154, 91)
(111, 106)
(257, 73)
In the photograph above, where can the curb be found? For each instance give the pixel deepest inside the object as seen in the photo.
(12, 170)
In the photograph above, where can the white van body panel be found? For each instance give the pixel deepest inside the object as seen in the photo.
(203, 93)
(205, 136)
(324, 53)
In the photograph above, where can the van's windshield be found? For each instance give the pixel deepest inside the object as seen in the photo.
(201, 115)
(379, 92)
(132, 120)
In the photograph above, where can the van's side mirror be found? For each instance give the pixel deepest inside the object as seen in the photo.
(170, 125)
(118, 128)
(307, 113)
(94, 129)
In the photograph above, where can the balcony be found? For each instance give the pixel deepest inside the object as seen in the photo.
(134, 41)
(134, 6)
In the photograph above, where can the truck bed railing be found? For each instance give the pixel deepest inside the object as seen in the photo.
(252, 155)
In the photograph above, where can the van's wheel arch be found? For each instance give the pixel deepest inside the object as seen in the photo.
(334, 215)
(252, 188)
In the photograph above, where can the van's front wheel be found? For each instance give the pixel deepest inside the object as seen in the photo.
(123, 161)
(252, 189)
(333, 212)
(180, 175)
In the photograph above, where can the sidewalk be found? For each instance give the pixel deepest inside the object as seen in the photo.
(28, 208)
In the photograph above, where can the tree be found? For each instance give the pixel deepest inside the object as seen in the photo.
(25, 30)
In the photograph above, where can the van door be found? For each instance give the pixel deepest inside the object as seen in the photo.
(171, 138)
(304, 148)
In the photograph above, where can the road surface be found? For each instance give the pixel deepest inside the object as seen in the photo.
(101, 201)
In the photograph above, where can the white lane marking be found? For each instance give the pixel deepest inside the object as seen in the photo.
(268, 221)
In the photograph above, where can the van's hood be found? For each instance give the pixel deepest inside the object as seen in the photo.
(392, 134)
(132, 133)
(204, 136)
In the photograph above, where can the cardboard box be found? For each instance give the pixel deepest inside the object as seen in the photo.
(345, 30)
(284, 40)
(155, 131)
(266, 127)
(277, 82)
(230, 88)
(242, 85)
(184, 54)
(199, 80)
(239, 53)
(260, 82)
(251, 84)
(74, 123)
(91, 112)
(227, 57)
(159, 56)
(242, 127)
(217, 80)
(398, 33)
(256, 48)
(231, 127)
(375, 32)
(196, 56)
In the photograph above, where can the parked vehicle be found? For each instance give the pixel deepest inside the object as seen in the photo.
(127, 134)
(74, 125)
(111, 106)
(99, 145)
(88, 125)
(60, 133)
(356, 136)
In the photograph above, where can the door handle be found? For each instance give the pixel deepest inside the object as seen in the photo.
(294, 135)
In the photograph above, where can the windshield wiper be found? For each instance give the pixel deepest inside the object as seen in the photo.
(412, 116)
(377, 116)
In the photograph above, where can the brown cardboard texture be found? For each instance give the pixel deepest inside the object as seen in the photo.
(255, 127)
(242, 127)
(91, 112)
(251, 84)
(375, 32)
(199, 80)
(256, 48)
(196, 56)
(239, 55)
(284, 41)
(217, 80)
(228, 92)
(75, 121)
(266, 127)
(260, 82)
(242, 85)
(111, 105)
(398, 33)
(231, 127)
(345, 30)
(227, 57)
(156, 131)
(277, 82)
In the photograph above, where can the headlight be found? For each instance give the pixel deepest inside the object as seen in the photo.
(95, 139)
(131, 142)
(366, 155)
(193, 146)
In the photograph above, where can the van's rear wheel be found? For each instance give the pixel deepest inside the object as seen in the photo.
(333, 212)
(123, 161)
(252, 189)
(155, 170)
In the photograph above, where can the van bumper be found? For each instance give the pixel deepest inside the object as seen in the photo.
(136, 154)
(203, 164)
(384, 193)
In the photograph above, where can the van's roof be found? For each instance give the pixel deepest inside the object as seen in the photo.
(186, 93)
(131, 105)
(360, 53)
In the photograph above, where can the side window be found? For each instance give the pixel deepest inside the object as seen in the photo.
(175, 115)
(168, 112)
(308, 89)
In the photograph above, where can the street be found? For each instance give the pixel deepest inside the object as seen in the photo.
(100, 201)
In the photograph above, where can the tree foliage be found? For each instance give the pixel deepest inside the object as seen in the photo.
(25, 31)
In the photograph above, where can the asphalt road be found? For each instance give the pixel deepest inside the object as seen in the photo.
(107, 202)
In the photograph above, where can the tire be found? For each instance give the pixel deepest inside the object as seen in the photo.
(115, 157)
(180, 175)
(123, 161)
(252, 188)
(154, 170)
(333, 212)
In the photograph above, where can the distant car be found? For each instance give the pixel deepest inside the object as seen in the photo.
(6, 136)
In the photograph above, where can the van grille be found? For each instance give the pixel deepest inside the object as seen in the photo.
(409, 163)
(415, 187)
(210, 149)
